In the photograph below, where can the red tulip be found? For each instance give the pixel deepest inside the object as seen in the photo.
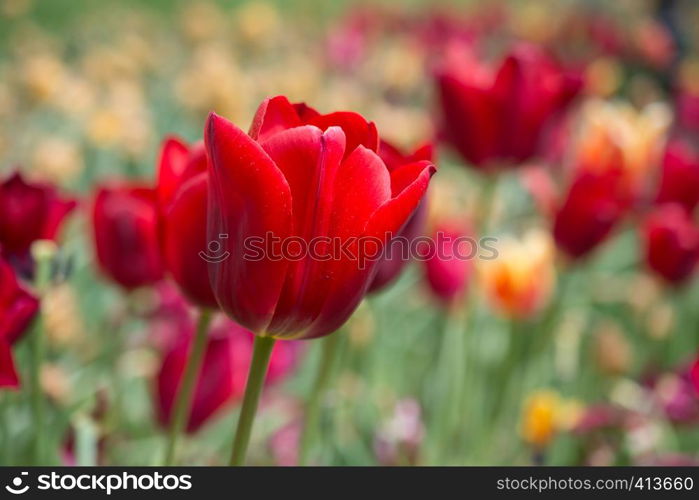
(447, 262)
(398, 251)
(679, 180)
(125, 223)
(672, 243)
(594, 204)
(312, 178)
(494, 117)
(224, 370)
(30, 211)
(17, 309)
(694, 375)
(182, 193)
(687, 104)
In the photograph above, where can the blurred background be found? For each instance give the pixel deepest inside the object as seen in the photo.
(558, 351)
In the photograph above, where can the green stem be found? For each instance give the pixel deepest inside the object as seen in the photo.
(183, 400)
(448, 387)
(310, 425)
(43, 253)
(262, 351)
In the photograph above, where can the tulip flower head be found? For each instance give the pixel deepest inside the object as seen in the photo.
(313, 180)
(495, 117)
(544, 415)
(30, 212)
(616, 150)
(17, 309)
(519, 282)
(125, 223)
(448, 265)
(182, 197)
(671, 241)
(611, 128)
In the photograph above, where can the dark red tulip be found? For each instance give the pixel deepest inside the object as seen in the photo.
(182, 192)
(398, 251)
(30, 211)
(671, 243)
(448, 265)
(594, 204)
(496, 117)
(126, 226)
(321, 181)
(221, 381)
(17, 309)
(679, 181)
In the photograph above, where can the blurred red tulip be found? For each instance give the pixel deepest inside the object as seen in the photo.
(679, 180)
(687, 104)
(671, 243)
(594, 204)
(447, 266)
(494, 117)
(694, 375)
(17, 309)
(302, 176)
(125, 225)
(182, 193)
(398, 251)
(223, 374)
(30, 211)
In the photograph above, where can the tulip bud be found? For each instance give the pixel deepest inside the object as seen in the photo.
(593, 206)
(448, 265)
(30, 212)
(671, 243)
(125, 226)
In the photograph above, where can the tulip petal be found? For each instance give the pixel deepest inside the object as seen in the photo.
(357, 130)
(8, 372)
(351, 279)
(249, 198)
(390, 217)
(185, 240)
(17, 306)
(126, 235)
(174, 155)
(274, 115)
(470, 119)
(305, 111)
(310, 160)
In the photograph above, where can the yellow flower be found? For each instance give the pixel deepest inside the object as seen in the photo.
(519, 281)
(546, 413)
(614, 134)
